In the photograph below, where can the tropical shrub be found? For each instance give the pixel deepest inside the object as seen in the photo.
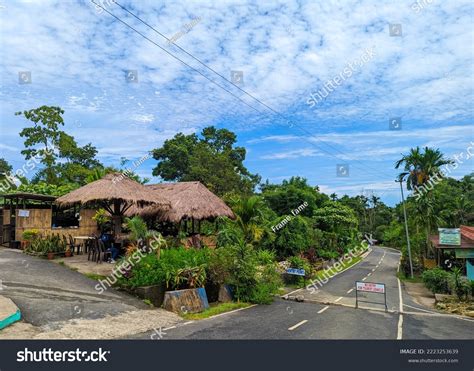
(265, 257)
(436, 280)
(242, 271)
(268, 283)
(459, 285)
(30, 234)
(102, 218)
(294, 238)
(137, 227)
(246, 271)
(47, 244)
(176, 268)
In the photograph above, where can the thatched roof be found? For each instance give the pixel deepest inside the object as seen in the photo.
(113, 187)
(190, 200)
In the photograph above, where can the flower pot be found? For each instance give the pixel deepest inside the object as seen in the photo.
(68, 253)
(50, 255)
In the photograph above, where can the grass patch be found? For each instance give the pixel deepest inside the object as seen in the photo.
(214, 309)
(331, 272)
(94, 276)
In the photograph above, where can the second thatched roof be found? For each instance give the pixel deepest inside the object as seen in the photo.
(188, 200)
(113, 187)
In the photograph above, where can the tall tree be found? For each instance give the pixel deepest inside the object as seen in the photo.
(63, 160)
(420, 166)
(291, 194)
(211, 158)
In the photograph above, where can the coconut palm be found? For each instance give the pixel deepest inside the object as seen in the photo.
(250, 218)
(421, 165)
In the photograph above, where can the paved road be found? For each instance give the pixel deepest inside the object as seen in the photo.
(47, 292)
(285, 319)
(51, 296)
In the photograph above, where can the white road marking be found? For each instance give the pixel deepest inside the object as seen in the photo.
(363, 279)
(350, 291)
(373, 270)
(322, 310)
(168, 328)
(369, 274)
(423, 310)
(400, 327)
(297, 325)
(339, 299)
(400, 318)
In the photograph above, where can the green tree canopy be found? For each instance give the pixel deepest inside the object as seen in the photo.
(63, 159)
(335, 217)
(210, 158)
(282, 198)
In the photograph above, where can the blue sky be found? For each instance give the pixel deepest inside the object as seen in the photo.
(78, 56)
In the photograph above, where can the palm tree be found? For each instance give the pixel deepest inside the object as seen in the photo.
(420, 166)
(249, 217)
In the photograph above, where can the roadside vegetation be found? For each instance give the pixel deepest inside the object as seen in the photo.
(277, 226)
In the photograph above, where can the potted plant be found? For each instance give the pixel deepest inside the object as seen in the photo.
(28, 236)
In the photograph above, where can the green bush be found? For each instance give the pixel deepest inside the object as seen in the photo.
(268, 283)
(265, 257)
(31, 234)
(294, 238)
(176, 268)
(246, 271)
(436, 280)
(47, 244)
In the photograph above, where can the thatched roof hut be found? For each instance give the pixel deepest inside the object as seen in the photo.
(188, 200)
(116, 193)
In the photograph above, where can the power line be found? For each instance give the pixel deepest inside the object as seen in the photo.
(364, 168)
(237, 86)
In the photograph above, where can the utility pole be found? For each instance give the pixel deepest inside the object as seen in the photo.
(406, 226)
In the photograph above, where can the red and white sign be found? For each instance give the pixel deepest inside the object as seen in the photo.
(371, 287)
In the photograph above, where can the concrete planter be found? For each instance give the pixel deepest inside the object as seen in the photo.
(225, 294)
(155, 294)
(186, 301)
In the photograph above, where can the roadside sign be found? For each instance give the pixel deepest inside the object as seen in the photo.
(449, 236)
(296, 272)
(371, 288)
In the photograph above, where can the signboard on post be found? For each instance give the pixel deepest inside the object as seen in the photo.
(370, 287)
(449, 236)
